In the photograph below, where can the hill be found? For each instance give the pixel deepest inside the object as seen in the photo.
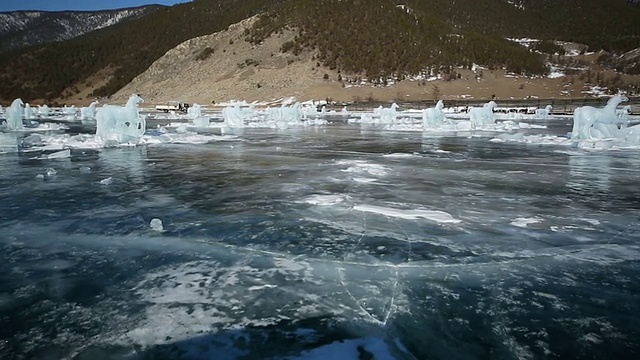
(20, 29)
(384, 41)
(225, 66)
(114, 54)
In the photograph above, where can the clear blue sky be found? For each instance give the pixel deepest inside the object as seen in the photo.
(56, 5)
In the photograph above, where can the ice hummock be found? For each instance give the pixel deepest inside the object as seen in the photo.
(14, 114)
(590, 123)
(481, 117)
(194, 113)
(284, 116)
(120, 125)
(433, 117)
(89, 112)
(156, 225)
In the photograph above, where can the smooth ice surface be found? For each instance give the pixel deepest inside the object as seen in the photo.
(342, 240)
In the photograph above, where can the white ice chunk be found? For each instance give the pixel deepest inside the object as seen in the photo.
(89, 112)
(544, 113)
(43, 110)
(28, 112)
(107, 181)
(324, 200)
(409, 214)
(483, 116)
(59, 155)
(14, 115)
(156, 225)
(121, 124)
(524, 222)
(590, 123)
(195, 114)
(433, 117)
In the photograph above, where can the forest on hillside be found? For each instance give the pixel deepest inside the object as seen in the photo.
(127, 48)
(609, 25)
(356, 37)
(379, 39)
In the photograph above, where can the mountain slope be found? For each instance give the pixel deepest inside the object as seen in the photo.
(21, 29)
(379, 39)
(118, 53)
(224, 66)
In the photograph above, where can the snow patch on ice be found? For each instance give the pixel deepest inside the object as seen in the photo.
(524, 222)
(409, 214)
(324, 200)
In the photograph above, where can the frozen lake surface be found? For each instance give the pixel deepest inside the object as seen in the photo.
(340, 241)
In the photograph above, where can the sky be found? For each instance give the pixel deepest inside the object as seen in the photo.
(56, 5)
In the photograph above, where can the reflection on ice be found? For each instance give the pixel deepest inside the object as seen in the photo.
(63, 154)
(589, 173)
(8, 143)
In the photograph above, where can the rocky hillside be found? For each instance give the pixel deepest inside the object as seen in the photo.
(225, 66)
(113, 56)
(382, 41)
(20, 29)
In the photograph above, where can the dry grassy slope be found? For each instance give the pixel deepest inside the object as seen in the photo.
(271, 74)
(236, 70)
